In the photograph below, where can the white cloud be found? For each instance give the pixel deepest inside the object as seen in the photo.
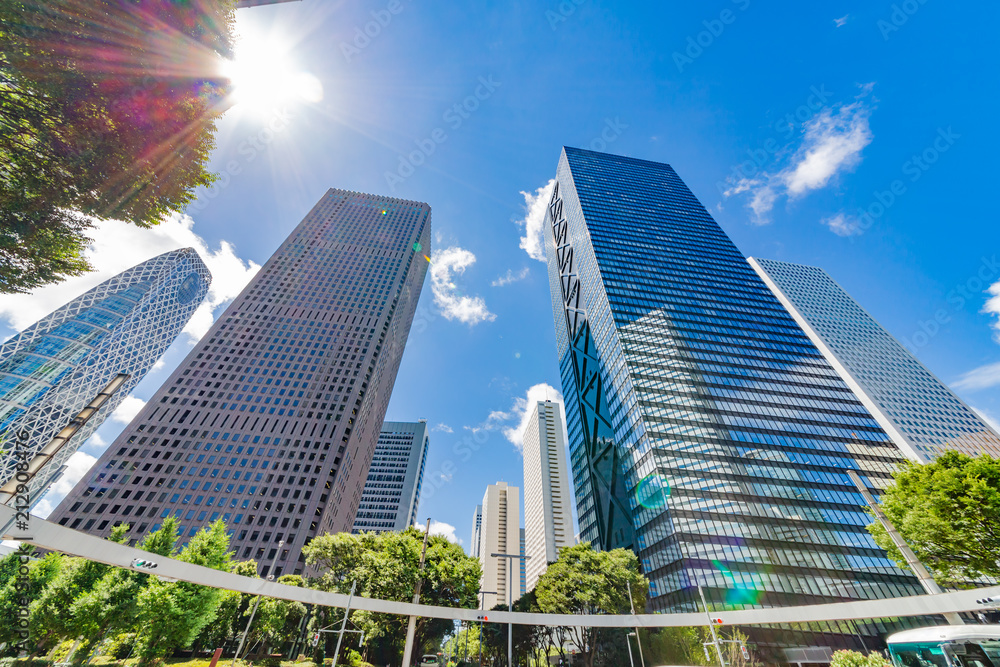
(831, 144)
(983, 377)
(843, 225)
(118, 246)
(444, 428)
(992, 306)
(128, 409)
(534, 217)
(842, 20)
(76, 467)
(453, 304)
(523, 407)
(445, 530)
(510, 277)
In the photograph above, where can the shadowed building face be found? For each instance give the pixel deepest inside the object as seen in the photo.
(271, 422)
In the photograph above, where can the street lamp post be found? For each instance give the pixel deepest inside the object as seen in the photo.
(629, 645)
(510, 602)
(256, 602)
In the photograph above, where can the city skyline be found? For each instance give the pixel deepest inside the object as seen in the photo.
(274, 415)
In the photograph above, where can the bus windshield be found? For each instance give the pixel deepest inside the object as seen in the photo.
(946, 654)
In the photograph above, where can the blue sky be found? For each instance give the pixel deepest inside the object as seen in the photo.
(787, 120)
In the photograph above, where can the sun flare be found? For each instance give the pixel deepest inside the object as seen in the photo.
(264, 76)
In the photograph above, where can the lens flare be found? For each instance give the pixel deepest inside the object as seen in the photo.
(652, 491)
(417, 247)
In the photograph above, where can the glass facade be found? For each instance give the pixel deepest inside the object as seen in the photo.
(54, 368)
(392, 490)
(271, 421)
(923, 417)
(706, 431)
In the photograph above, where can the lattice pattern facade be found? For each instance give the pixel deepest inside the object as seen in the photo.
(55, 367)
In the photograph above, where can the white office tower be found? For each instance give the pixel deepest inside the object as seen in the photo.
(548, 519)
(392, 490)
(500, 534)
(918, 411)
(477, 529)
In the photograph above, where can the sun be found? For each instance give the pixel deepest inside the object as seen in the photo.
(264, 76)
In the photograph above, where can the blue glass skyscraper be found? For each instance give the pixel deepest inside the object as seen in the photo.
(55, 367)
(706, 431)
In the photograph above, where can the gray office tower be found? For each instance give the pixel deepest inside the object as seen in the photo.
(392, 490)
(271, 421)
(918, 411)
(706, 431)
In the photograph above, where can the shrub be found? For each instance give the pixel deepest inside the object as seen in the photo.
(24, 662)
(856, 659)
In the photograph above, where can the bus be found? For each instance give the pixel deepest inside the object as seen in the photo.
(946, 646)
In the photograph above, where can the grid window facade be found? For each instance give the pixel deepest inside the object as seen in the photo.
(706, 431)
(271, 421)
(392, 490)
(923, 416)
(55, 367)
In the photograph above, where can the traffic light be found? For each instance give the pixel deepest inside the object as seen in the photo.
(143, 564)
(717, 621)
(483, 618)
(745, 652)
(987, 601)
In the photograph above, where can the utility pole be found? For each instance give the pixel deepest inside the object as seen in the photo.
(411, 627)
(347, 612)
(631, 604)
(711, 626)
(483, 603)
(256, 602)
(926, 580)
(510, 602)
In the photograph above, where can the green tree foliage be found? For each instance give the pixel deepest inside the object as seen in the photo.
(277, 621)
(172, 613)
(109, 608)
(674, 646)
(855, 659)
(386, 566)
(948, 512)
(585, 581)
(107, 110)
(39, 573)
(231, 614)
(51, 611)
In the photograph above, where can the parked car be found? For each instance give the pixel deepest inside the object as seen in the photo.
(430, 661)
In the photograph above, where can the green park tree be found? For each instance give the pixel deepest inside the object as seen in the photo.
(948, 512)
(231, 614)
(171, 614)
(40, 573)
(385, 566)
(107, 110)
(585, 581)
(856, 659)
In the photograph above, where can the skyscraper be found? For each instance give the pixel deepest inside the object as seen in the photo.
(392, 490)
(55, 367)
(477, 526)
(548, 518)
(500, 534)
(921, 415)
(522, 569)
(271, 422)
(706, 431)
